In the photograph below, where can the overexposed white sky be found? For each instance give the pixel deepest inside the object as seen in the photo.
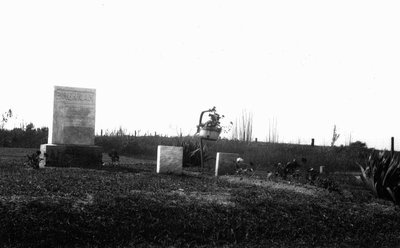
(157, 64)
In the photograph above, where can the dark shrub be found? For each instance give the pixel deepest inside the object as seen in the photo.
(381, 174)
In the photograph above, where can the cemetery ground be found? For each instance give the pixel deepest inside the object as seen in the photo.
(131, 206)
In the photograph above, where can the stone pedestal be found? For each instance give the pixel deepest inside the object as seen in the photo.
(71, 137)
(225, 163)
(169, 159)
(70, 156)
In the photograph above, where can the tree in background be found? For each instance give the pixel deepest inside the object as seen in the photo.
(358, 144)
(5, 117)
(335, 136)
(243, 127)
(273, 131)
(24, 136)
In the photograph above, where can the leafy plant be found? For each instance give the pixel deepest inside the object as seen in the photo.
(214, 123)
(290, 168)
(34, 160)
(191, 153)
(381, 174)
(243, 168)
(114, 156)
(311, 176)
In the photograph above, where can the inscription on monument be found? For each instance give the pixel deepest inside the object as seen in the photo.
(76, 96)
(73, 116)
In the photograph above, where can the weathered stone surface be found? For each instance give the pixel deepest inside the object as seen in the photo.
(70, 156)
(71, 137)
(169, 159)
(73, 116)
(225, 163)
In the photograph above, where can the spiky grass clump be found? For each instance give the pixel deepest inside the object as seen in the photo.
(381, 174)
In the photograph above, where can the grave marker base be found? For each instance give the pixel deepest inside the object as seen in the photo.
(85, 156)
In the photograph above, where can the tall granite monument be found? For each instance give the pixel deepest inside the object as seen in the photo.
(71, 138)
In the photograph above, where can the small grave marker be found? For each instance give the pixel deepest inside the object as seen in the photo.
(226, 163)
(169, 159)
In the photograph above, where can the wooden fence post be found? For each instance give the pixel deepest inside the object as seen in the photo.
(392, 146)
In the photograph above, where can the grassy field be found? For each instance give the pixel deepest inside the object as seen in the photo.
(263, 155)
(132, 206)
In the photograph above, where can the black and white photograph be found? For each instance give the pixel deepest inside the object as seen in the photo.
(182, 123)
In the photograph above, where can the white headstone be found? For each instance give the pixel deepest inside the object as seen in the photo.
(169, 159)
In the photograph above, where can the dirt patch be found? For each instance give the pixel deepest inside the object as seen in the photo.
(309, 190)
(221, 198)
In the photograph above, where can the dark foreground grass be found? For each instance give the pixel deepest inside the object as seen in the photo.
(131, 206)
